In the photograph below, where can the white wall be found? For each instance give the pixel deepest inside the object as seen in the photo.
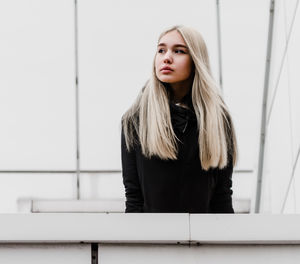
(201, 254)
(244, 27)
(37, 100)
(116, 45)
(283, 128)
(45, 254)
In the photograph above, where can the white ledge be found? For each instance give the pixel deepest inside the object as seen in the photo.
(245, 229)
(149, 228)
(94, 227)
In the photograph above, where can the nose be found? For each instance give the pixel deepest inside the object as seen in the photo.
(168, 57)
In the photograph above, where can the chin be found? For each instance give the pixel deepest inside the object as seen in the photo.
(167, 79)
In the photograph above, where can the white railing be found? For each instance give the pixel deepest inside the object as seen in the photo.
(148, 238)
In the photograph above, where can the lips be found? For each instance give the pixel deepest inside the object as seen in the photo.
(166, 69)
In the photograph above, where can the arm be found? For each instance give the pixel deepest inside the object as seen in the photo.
(133, 193)
(221, 200)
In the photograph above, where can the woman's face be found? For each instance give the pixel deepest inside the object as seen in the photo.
(173, 63)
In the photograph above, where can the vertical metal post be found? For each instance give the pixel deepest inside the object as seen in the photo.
(264, 110)
(77, 104)
(94, 253)
(219, 44)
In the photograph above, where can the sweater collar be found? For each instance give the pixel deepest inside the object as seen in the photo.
(181, 116)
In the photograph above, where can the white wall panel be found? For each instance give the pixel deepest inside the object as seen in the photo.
(17, 190)
(37, 85)
(296, 188)
(117, 43)
(243, 185)
(244, 26)
(290, 203)
(101, 186)
(283, 139)
(45, 254)
(293, 64)
(212, 254)
(278, 153)
(281, 27)
(293, 61)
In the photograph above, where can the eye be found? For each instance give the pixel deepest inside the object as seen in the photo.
(160, 50)
(180, 51)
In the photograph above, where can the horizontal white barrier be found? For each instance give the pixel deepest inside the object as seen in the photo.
(149, 228)
(94, 227)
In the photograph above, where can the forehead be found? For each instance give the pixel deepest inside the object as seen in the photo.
(172, 38)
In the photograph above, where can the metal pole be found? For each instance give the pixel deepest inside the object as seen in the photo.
(219, 44)
(264, 111)
(77, 105)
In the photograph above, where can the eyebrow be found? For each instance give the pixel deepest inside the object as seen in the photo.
(176, 45)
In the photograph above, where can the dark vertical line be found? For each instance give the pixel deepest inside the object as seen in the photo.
(94, 252)
(264, 110)
(219, 44)
(77, 102)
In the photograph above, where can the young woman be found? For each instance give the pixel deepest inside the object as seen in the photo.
(178, 140)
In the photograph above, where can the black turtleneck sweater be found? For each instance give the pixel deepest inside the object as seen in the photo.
(176, 186)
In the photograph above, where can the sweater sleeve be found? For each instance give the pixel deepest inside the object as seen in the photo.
(221, 201)
(134, 198)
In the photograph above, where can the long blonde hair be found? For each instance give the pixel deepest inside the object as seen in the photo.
(148, 120)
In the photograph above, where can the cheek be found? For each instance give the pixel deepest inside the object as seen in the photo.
(186, 66)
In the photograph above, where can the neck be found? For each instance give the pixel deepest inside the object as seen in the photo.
(180, 89)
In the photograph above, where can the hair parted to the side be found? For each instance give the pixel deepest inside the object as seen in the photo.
(148, 120)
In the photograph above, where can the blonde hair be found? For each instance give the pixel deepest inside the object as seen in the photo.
(148, 120)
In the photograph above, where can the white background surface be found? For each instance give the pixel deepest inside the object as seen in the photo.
(37, 99)
(283, 140)
(45, 254)
(116, 45)
(212, 254)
